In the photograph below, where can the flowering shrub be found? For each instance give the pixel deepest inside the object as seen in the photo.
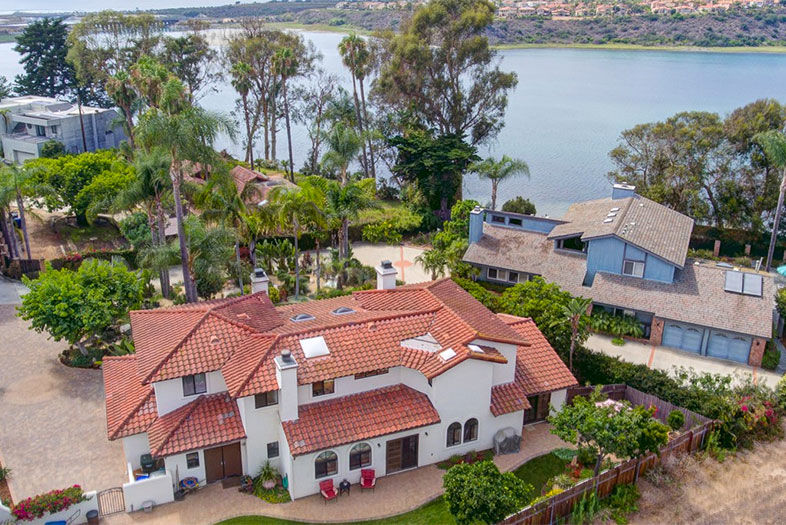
(48, 503)
(759, 416)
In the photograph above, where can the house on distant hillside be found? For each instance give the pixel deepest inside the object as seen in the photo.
(388, 379)
(629, 255)
(29, 122)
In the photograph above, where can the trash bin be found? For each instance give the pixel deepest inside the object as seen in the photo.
(92, 517)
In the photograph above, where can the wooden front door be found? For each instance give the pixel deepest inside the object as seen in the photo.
(223, 462)
(540, 408)
(401, 454)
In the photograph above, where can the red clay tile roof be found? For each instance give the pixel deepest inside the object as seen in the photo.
(130, 405)
(538, 367)
(357, 417)
(508, 398)
(208, 421)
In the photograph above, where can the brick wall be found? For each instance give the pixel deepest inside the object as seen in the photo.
(656, 331)
(757, 351)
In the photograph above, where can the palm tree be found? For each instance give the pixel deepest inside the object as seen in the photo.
(434, 262)
(241, 81)
(296, 207)
(147, 191)
(774, 145)
(354, 53)
(575, 312)
(285, 66)
(497, 171)
(344, 203)
(120, 90)
(187, 132)
(343, 146)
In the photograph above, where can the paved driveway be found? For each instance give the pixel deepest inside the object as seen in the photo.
(662, 358)
(52, 422)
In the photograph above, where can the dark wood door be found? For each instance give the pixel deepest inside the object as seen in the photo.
(233, 464)
(214, 464)
(393, 456)
(409, 452)
(540, 408)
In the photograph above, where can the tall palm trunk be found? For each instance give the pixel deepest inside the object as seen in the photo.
(252, 251)
(777, 223)
(188, 281)
(364, 158)
(494, 184)
(319, 266)
(289, 135)
(273, 130)
(21, 205)
(249, 135)
(8, 232)
(163, 273)
(266, 127)
(345, 237)
(372, 164)
(297, 259)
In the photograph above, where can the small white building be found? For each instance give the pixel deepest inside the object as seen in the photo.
(28, 122)
(389, 379)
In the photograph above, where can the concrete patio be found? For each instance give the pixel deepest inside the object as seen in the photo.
(393, 495)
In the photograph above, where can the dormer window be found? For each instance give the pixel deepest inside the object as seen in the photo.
(343, 310)
(266, 399)
(194, 384)
(299, 318)
(633, 268)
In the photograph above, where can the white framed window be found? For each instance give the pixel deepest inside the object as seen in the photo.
(326, 464)
(497, 275)
(633, 268)
(192, 460)
(194, 384)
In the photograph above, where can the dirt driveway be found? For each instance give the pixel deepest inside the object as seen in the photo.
(747, 488)
(52, 422)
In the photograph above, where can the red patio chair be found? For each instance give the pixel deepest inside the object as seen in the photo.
(328, 490)
(368, 478)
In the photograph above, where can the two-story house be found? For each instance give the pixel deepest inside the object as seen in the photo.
(28, 122)
(389, 379)
(629, 255)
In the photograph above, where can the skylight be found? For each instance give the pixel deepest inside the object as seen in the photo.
(302, 317)
(422, 342)
(314, 347)
(343, 310)
(476, 348)
(447, 355)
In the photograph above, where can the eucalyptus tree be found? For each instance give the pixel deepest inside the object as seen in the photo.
(313, 111)
(774, 145)
(148, 191)
(499, 170)
(187, 132)
(355, 56)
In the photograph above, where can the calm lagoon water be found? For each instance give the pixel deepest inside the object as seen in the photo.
(570, 107)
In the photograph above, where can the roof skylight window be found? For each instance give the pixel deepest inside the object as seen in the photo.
(343, 310)
(447, 355)
(299, 318)
(314, 347)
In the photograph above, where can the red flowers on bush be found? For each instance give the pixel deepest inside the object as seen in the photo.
(48, 503)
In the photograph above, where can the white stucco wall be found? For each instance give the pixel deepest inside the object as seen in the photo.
(262, 426)
(158, 489)
(134, 446)
(169, 394)
(74, 514)
(502, 372)
(558, 398)
(5, 513)
(179, 468)
(347, 385)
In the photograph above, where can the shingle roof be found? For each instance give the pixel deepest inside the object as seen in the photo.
(208, 421)
(130, 405)
(357, 417)
(696, 296)
(538, 367)
(639, 221)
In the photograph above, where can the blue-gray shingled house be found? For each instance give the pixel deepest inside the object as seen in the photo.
(629, 255)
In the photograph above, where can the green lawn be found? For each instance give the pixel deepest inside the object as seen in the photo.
(535, 471)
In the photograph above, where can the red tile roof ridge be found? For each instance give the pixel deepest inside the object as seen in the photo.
(359, 322)
(161, 363)
(511, 319)
(262, 360)
(186, 410)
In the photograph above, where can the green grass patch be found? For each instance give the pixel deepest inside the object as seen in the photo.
(435, 512)
(539, 470)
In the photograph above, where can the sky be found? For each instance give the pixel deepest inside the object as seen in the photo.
(97, 5)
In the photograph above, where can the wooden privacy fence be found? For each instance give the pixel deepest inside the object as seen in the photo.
(560, 506)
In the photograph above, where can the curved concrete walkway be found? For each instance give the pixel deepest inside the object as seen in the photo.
(52, 419)
(393, 495)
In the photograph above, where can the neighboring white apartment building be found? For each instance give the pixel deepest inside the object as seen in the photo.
(28, 122)
(389, 379)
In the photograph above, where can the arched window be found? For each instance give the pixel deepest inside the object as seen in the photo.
(360, 456)
(326, 464)
(454, 434)
(471, 430)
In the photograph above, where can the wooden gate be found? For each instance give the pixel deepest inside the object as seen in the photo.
(111, 501)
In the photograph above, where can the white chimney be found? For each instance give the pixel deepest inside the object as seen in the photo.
(386, 276)
(286, 375)
(259, 281)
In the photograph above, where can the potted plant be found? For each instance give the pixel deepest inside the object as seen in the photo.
(267, 476)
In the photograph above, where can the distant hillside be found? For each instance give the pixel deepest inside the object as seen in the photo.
(246, 10)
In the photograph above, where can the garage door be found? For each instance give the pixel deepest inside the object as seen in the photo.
(683, 337)
(729, 346)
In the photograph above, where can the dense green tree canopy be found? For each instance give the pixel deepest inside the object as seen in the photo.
(520, 205)
(76, 306)
(42, 46)
(480, 493)
(441, 68)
